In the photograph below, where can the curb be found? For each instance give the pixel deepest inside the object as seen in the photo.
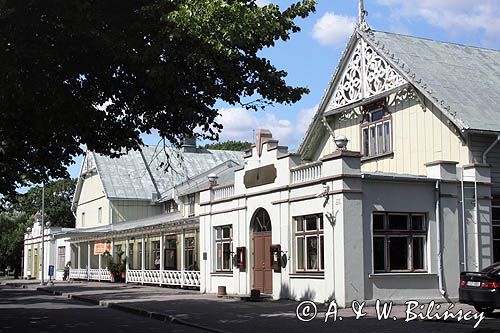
(129, 309)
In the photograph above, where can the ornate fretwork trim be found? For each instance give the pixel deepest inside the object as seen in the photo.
(366, 74)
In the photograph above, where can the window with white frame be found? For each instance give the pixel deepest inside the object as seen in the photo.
(156, 254)
(309, 243)
(99, 215)
(223, 248)
(399, 242)
(131, 255)
(171, 206)
(61, 257)
(376, 131)
(190, 254)
(191, 203)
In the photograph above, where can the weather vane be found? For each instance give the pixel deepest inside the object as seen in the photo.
(362, 14)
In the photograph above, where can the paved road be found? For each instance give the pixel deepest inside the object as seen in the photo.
(26, 310)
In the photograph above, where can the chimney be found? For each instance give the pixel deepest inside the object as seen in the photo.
(189, 144)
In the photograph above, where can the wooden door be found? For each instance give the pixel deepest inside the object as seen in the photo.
(36, 269)
(261, 264)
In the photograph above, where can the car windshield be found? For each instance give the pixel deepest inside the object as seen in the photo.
(491, 269)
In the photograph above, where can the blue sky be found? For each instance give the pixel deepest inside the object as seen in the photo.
(310, 57)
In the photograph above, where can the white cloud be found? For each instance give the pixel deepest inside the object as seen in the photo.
(455, 16)
(304, 118)
(332, 29)
(262, 3)
(239, 124)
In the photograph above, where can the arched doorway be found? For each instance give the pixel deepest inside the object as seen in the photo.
(261, 255)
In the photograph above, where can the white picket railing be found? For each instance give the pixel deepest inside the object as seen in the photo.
(223, 192)
(192, 278)
(78, 273)
(97, 274)
(102, 274)
(134, 275)
(172, 278)
(306, 172)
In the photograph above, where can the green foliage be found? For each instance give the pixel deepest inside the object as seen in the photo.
(117, 268)
(12, 228)
(98, 73)
(58, 196)
(230, 145)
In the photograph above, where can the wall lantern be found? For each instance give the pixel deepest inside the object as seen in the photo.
(341, 142)
(212, 179)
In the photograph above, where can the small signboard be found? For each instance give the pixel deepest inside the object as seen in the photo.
(102, 247)
(99, 248)
(51, 270)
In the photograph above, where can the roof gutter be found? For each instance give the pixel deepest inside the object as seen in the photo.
(493, 144)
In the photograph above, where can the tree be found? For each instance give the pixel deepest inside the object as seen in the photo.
(229, 145)
(98, 73)
(12, 228)
(58, 196)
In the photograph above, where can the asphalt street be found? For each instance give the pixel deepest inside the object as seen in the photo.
(26, 310)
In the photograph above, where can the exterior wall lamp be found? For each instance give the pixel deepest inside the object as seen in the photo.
(341, 142)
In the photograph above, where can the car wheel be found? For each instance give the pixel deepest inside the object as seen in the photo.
(487, 310)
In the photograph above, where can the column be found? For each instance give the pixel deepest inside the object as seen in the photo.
(143, 259)
(127, 255)
(100, 266)
(161, 258)
(79, 256)
(88, 260)
(343, 225)
(182, 258)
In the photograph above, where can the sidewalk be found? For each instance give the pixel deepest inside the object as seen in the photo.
(209, 313)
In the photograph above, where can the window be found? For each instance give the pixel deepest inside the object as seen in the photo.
(189, 254)
(309, 247)
(156, 254)
(30, 260)
(61, 257)
(171, 206)
(376, 131)
(191, 202)
(496, 233)
(170, 253)
(83, 220)
(223, 248)
(139, 255)
(99, 215)
(131, 255)
(399, 242)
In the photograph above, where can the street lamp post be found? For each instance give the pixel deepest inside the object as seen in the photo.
(40, 218)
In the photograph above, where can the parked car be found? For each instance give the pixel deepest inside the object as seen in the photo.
(481, 289)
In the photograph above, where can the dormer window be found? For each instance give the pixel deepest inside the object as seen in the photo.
(376, 130)
(171, 206)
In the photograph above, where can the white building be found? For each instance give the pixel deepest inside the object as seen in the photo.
(56, 249)
(411, 202)
(398, 215)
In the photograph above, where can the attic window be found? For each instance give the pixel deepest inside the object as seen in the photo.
(376, 130)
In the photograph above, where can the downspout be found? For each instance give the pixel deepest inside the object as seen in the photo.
(493, 144)
(464, 225)
(442, 290)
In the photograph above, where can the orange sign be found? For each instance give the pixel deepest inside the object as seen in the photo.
(99, 248)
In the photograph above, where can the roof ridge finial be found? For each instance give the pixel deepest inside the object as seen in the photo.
(362, 14)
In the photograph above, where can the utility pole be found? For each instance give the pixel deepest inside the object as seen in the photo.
(43, 234)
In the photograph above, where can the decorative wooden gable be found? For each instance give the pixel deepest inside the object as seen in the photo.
(88, 164)
(365, 74)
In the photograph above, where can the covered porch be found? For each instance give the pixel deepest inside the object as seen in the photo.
(161, 250)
